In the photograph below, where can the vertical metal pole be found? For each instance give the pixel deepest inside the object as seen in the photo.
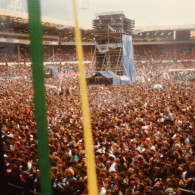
(19, 58)
(53, 54)
(91, 53)
(174, 54)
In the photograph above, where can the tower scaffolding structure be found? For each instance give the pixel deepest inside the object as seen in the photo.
(109, 29)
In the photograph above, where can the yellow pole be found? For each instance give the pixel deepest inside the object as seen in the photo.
(88, 138)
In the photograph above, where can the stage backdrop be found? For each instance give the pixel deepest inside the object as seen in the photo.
(128, 59)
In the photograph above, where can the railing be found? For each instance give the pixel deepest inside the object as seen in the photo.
(189, 191)
(20, 190)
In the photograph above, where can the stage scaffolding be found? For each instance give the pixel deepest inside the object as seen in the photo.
(109, 29)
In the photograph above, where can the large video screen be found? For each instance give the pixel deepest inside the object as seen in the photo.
(192, 34)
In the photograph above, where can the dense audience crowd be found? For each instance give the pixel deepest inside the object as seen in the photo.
(183, 75)
(159, 53)
(153, 53)
(8, 58)
(152, 70)
(21, 71)
(56, 54)
(143, 137)
(150, 54)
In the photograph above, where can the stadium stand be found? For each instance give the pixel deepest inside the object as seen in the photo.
(144, 137)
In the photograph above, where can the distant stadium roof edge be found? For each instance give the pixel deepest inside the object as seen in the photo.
(165, 27)
(24, 16)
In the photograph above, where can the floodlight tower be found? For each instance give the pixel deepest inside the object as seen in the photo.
(16, 5)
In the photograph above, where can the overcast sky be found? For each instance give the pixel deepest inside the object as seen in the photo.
(144, 12)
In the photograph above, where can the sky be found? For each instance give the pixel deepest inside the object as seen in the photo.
(144, 12)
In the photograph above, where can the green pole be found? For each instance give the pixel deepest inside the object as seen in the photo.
(35, 29)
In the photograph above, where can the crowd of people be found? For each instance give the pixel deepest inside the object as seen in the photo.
(148, 54)
(151, 70)
(143, 137)
(51, 54)
(159, 53)
(183, 75)
(153, 53)
(11, 71)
